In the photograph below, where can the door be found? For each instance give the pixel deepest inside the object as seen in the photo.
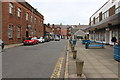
(27, 35)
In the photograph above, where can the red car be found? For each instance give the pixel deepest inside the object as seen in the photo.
(31, 40)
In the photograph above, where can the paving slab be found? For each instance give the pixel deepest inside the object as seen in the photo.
(98, 63)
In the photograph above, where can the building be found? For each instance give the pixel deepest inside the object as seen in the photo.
(66, 31)
(47, 29)
(56, 29)
(63, 33)
(69, 32)
(105, 23)
(20, 20)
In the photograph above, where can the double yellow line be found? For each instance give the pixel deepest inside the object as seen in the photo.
(57, 70)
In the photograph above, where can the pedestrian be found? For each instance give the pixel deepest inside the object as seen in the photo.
(114, 40)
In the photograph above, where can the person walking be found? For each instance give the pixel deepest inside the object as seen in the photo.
(114, 40)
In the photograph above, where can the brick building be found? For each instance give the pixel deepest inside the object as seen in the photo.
(68, 32)
(56, 29)
(47, 29)
(63, 33)
(20, 20)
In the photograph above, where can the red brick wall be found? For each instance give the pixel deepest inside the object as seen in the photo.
(63, 32)
(68, 32)
(15, 21)
(48, 29)
(55, 31)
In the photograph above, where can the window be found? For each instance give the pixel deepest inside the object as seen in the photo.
(97, 20)
(19, 12)
(19, 32)
(10, 8)
(35, 20)
(39, 23)
(69, 28)
(58, 29)
(10, 31)
(31, 18)
(105, 15)
(117, 10)
(27, 16)
(91, 22)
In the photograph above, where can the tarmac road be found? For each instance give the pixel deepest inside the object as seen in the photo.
(37, 61)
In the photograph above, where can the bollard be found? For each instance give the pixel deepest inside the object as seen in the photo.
(69, 42)
(79, 67)
(74, 54)
(72, 48)
(86, 45)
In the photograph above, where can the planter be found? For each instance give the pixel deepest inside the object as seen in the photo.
(117, 52)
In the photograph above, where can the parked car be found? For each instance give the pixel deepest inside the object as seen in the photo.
(31, 40)
(51, 38)
(47, 39)
(57, 38)
(41, 40)
(1, 45)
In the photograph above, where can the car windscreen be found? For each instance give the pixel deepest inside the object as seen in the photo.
(28, 38)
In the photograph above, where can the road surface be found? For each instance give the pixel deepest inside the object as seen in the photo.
(37, 61)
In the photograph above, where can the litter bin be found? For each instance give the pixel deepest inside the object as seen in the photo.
(117, 52)
(74, 42)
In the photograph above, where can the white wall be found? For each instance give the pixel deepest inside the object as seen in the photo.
(107, 7)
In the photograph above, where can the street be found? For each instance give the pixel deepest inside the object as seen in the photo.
(36, 61)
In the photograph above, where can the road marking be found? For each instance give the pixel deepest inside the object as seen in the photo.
(57, 70)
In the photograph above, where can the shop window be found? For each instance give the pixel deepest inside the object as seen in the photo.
(10, 31)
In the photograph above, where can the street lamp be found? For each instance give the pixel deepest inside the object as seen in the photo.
(107, 29)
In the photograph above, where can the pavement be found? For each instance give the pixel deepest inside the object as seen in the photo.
(13, 45)
(98, 63)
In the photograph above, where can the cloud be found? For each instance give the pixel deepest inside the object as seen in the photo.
(67, 11)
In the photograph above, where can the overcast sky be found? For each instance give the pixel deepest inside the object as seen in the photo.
(67, 11)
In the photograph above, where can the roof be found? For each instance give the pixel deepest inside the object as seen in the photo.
(80, 33)
(81, 27)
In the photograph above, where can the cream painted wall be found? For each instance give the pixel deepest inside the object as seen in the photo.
(106, 7)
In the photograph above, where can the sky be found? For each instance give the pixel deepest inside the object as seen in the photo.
(67, 12)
